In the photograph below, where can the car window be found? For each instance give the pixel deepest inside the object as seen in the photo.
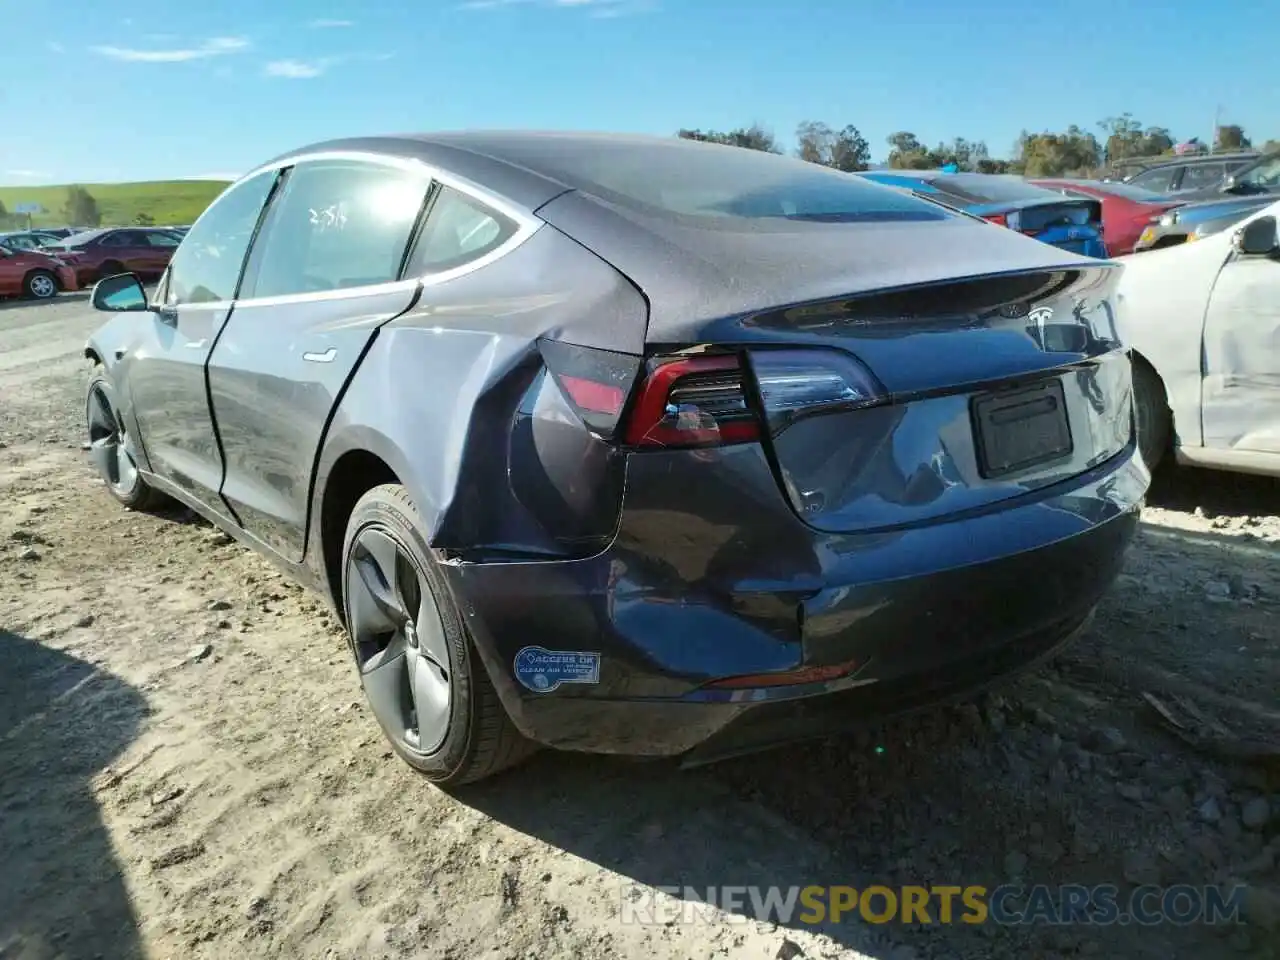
(161, 240)
(206, 268)
(1200, 176)
(337, 224)
(114, 239)
(1265, 174)
(1157, 181)
(458, 230)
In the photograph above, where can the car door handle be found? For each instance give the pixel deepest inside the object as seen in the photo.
(196, 344)
(326, 357)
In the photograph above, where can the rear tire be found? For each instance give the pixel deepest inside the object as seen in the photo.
(1155, 421)
(411, 610)
(41, 285)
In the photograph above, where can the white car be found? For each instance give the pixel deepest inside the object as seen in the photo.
(1203, 321)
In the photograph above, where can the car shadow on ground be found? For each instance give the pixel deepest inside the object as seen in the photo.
(1216, 493)
(62, 721)
(1015, 788)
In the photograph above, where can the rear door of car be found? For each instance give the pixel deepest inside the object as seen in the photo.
(123, 247)
(323, 276)
(157, 250)
(1240, 390)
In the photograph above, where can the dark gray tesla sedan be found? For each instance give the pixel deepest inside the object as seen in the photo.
(631, 445)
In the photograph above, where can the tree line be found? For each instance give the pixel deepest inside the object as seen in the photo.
(1072, 152)
(79, 208)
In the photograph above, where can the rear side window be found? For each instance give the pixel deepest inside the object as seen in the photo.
(337, 224)
(709, 183)
(161, 240)
(458, 230)
(1157, 181)
(1202, 175)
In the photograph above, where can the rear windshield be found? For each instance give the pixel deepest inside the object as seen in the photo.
(1127, 190)
(988, 188)
(704, 181)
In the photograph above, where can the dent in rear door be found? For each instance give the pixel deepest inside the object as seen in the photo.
(321, 281)
(1240, 393)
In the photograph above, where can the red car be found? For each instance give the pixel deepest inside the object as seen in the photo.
(29, 273)
(1126, 209)
(103, 253)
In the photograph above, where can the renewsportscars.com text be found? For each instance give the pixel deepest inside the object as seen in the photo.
(1068, 904)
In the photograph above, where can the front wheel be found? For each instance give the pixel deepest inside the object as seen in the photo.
(41, 285)
(112, 447)
(420, 672)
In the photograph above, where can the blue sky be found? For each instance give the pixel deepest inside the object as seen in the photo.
(96, 91)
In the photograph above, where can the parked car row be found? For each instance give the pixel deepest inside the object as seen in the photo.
(41, 270)
(1096, 218)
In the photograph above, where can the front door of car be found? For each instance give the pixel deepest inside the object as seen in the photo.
(1240, 393)
(156, 250)
(322, 278)
(165, 371)
(123, 247)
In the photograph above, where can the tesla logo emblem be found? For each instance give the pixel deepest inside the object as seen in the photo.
(1040, 315)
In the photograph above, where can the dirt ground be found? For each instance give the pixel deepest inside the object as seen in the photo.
(186, 769)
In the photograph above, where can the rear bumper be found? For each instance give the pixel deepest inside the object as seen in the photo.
(722, 579)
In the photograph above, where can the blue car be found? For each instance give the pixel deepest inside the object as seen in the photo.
(1070, 223)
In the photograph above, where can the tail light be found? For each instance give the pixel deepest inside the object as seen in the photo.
(795, 384)
(706, 399)
(693, 402)
(1012, 220)
(595, 382)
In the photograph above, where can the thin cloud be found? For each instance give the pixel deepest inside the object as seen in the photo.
(55, 47)
(323, 24)
(215, 47)
(28, 174)
(296, 69)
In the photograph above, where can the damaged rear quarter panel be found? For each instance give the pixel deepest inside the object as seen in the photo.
(438, 394)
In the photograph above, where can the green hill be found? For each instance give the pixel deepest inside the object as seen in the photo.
(165, 201)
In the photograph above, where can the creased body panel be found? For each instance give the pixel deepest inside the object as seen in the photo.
(484, 430)
(1242, 358)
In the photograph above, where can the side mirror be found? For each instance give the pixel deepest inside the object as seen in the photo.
(1257, 237)
(122, 293)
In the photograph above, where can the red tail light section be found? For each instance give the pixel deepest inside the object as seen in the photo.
(706, 400)
(997, 218)
(595, 382)
(693, 402)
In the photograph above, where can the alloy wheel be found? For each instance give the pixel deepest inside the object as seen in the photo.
(399, 641)
(110, 444)
(42, 286)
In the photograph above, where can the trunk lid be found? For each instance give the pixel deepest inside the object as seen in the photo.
(999, 367)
